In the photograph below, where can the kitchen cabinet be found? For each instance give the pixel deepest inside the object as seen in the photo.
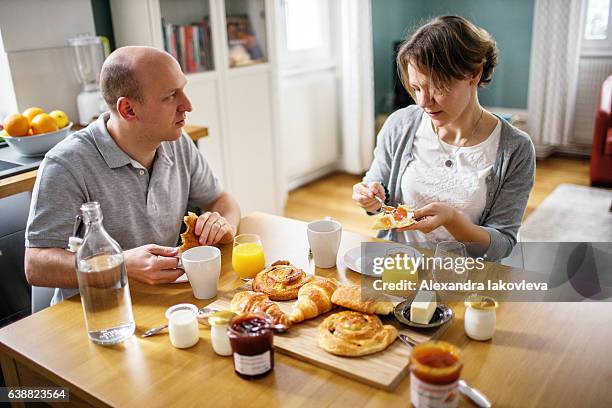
(232, 83)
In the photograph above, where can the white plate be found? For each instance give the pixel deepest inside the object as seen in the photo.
(181, 279)
(352, 258)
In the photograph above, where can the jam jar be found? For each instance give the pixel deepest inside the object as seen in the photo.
(435, 368)
(251, 338)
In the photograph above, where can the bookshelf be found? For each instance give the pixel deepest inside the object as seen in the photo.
(224, 50)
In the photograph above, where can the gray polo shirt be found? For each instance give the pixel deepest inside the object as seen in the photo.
(139, 207)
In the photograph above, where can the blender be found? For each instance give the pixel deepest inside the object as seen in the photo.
(89, 55)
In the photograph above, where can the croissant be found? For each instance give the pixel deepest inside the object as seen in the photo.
(352, 334)
(188, 238)
(255, 302)
(314, 298)
(350, 297)
(281, 281)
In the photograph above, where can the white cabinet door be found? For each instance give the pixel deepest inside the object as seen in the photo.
(309, 122)
(252, 167)
(204, 96)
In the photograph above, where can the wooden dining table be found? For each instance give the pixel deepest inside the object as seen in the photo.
(541, 355)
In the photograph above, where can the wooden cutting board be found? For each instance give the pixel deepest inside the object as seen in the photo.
(383, 370)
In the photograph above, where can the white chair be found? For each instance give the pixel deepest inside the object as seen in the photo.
(41, 298)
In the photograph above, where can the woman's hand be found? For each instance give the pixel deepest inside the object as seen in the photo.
(431, 217)
(363, 195)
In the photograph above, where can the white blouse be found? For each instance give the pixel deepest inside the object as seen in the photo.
(462, 186)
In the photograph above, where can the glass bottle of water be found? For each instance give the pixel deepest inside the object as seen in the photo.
(103, 282)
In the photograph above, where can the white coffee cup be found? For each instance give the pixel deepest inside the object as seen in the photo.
(324, 239)
(202, 265)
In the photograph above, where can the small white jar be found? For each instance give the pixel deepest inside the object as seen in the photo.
(480, 317)
(183, 325)
(218, 322)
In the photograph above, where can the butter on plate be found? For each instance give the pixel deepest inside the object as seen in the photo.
(423, 307)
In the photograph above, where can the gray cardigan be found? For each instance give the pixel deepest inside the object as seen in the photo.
(508, 184)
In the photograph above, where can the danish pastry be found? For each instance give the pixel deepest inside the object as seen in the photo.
(281, 281)
(353, 334)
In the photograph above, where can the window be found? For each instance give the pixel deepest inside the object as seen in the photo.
(597, 36)
(303, 25)
(305, 32)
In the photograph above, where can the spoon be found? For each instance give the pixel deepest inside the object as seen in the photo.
(203, 312)
(473, 394)
(407, 340)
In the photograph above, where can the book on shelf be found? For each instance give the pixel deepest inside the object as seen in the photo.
(189, 45)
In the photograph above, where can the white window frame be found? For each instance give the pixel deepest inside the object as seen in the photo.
(315, 56)
(597, 48)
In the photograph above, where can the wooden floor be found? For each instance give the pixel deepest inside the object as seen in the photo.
(331, 196)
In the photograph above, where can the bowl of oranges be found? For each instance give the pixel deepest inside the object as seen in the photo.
(35, 132)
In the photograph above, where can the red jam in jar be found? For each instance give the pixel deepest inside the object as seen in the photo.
(435, 368)
(251, 339)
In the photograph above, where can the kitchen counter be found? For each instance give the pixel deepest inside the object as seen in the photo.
(22, 175)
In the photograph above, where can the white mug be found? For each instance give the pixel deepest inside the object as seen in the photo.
(202, 265)
(324, 239)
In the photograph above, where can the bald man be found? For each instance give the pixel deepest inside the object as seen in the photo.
(137, 163)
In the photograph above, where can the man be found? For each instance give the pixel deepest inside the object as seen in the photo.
(136, 162)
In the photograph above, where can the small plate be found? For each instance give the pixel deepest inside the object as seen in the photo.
(352, 258)
(442, 314)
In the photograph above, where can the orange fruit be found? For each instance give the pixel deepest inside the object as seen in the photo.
(16, 125)
(31, 113)
(43, 123)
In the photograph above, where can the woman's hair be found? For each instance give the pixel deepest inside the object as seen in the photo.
(447, 48)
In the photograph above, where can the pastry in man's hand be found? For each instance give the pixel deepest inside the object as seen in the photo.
(314, 299)
(394, 217)
(353, 334)
(350, 297)
(188, 238)
(256, 302)
(281, 281)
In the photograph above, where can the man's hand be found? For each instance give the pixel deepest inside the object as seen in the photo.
(152, 264)
(431, 217)
(213, 229)
(363, 195)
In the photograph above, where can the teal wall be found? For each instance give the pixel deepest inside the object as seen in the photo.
(510, 23)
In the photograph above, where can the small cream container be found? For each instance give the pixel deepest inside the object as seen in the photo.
(183, 325)
(218, 322)
(480, 317)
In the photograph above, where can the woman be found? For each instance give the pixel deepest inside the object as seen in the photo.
(467, 172)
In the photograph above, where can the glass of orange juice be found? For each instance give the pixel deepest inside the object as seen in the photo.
(247, 255)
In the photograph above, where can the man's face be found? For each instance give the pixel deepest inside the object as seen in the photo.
(163, 111)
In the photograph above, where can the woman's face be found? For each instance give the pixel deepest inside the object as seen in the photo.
(442, 107)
